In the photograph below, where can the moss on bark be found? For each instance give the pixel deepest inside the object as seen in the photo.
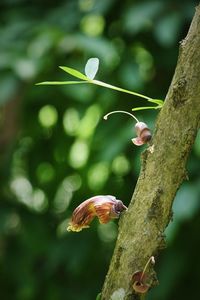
(163, 170)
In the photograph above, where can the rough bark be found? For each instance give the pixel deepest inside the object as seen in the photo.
(163, 170)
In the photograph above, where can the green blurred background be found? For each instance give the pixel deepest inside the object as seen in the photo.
(56, 151)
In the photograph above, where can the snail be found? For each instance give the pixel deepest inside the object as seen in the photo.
(104, 207)
(143, 134)
(141, 128)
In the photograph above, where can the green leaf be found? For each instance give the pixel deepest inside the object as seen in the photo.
(74, 73)
(60, 82)
(91, 67)
(145, 107)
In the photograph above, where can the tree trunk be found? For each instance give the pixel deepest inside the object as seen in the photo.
(163, 169)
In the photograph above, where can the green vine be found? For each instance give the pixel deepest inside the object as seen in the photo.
(91, 69)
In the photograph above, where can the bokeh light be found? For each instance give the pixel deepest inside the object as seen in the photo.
(79, 153)
(107, 232)
(45, 172)
(23, 190)
(89, 121)
(71, 121)
(120, 165)
(93, 25)
(98, 175)
(48, 116)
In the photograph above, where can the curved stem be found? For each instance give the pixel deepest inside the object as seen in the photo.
(151, 259)
(120, 111)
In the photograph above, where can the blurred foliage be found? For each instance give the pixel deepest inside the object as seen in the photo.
(56, 151)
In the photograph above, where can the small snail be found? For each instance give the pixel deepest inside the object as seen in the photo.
(142, 130)
(140, 278)
(143, 134)
(104, 207)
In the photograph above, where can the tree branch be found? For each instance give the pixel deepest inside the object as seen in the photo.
(163, 170)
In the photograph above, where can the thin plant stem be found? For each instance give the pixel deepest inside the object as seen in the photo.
(151, 259)
(120, 111)
(113, 87)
